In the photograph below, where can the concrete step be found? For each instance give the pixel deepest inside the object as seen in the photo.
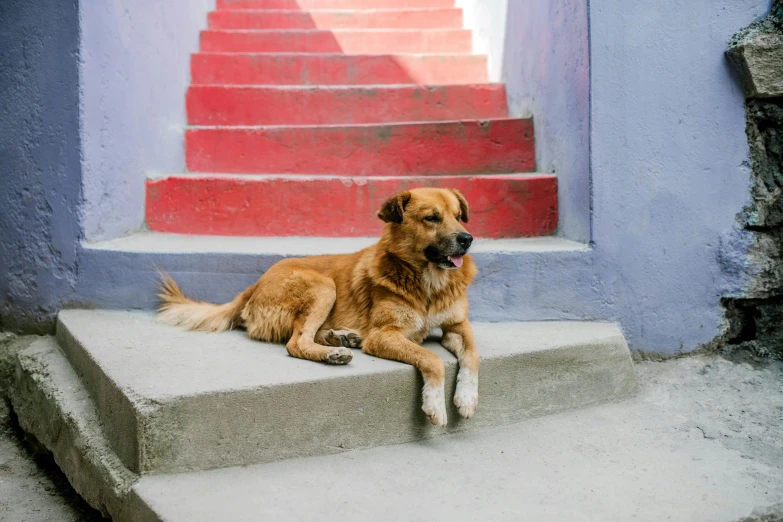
(444, 18)
(332, 4)
(497, 146)
(527, 279)
(287, 105)
(502, 206)
(642, 459)
(336, 69)
(173, 401)
(345, 41)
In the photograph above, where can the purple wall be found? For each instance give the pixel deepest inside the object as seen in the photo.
(134, 74)
(647, 139)
(40, 169)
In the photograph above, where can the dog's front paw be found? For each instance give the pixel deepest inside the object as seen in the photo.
(466, 394)
(433, 401)
(339, 356)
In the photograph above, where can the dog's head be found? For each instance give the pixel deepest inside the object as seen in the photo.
(424, 225)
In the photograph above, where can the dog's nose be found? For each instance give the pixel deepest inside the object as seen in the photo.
(464, 239)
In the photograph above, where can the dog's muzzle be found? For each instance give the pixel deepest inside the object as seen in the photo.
(449, 254)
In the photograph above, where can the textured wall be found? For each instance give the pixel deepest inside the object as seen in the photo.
(667, 152)
(669, 163)
(547, 74)
(40, 169)
(135, 71)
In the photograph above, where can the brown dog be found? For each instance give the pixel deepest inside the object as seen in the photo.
(384, 299)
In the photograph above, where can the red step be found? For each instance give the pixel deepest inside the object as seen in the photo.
(458, 147)
(346, 41)
(501, 206)
(331, 4)
(336, 69)
(264, 105)
(356, 19)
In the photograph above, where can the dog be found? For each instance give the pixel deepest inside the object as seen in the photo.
(384, 299)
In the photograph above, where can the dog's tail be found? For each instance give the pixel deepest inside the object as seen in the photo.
(177, 310)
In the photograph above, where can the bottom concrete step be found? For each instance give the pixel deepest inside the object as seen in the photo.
(173, 401)
(643, 459)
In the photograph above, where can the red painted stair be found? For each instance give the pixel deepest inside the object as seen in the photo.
(265, 69)
(306, 114)
(337, 19)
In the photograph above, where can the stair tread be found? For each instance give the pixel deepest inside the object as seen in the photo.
(362, 125)
(200, 363)
(164, 243)
(350, 87)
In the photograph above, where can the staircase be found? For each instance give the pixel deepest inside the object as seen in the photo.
(305, 116)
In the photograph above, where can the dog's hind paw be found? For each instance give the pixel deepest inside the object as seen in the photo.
(344, 338)
(433, 403)
(339, 356)
(466, 395)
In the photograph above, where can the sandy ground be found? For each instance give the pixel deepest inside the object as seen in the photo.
(735, 405)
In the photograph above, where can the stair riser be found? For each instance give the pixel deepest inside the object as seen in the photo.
(332, 4)
(214, 105)
(346, 42)
(471, 147)
(422, 19)
(316, 69)
(502, 207)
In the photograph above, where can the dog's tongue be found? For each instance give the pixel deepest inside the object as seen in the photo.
(457, 260)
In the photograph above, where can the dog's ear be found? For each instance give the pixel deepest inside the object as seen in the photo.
(463, 205)
(393, 209)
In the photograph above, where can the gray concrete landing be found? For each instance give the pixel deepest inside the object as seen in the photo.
(171, 400)
(700, 442)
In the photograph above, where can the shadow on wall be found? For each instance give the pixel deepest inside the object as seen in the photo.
(40, 166)
(545, 66)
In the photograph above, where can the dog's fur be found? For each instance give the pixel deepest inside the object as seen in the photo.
(384, 299)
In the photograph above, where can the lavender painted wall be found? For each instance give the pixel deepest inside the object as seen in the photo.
(40, 171)
(648, 129)
(669, 163)
(667, 151)
(134, 74)
(545, 67)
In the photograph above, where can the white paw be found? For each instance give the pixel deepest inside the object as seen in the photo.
(433, 401)
(339, 356)
(466, 394)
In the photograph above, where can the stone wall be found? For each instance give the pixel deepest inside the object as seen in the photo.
(756, 312)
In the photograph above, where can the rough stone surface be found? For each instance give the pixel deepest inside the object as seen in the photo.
(53, 406)
(172, 400)
(756, 52)
(701, 442)
(40, 164)
(32, 488)
(759, 62)
(765, 136)
(754, 312)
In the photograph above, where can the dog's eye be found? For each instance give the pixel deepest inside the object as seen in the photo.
(432, 219)
(459, 217)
